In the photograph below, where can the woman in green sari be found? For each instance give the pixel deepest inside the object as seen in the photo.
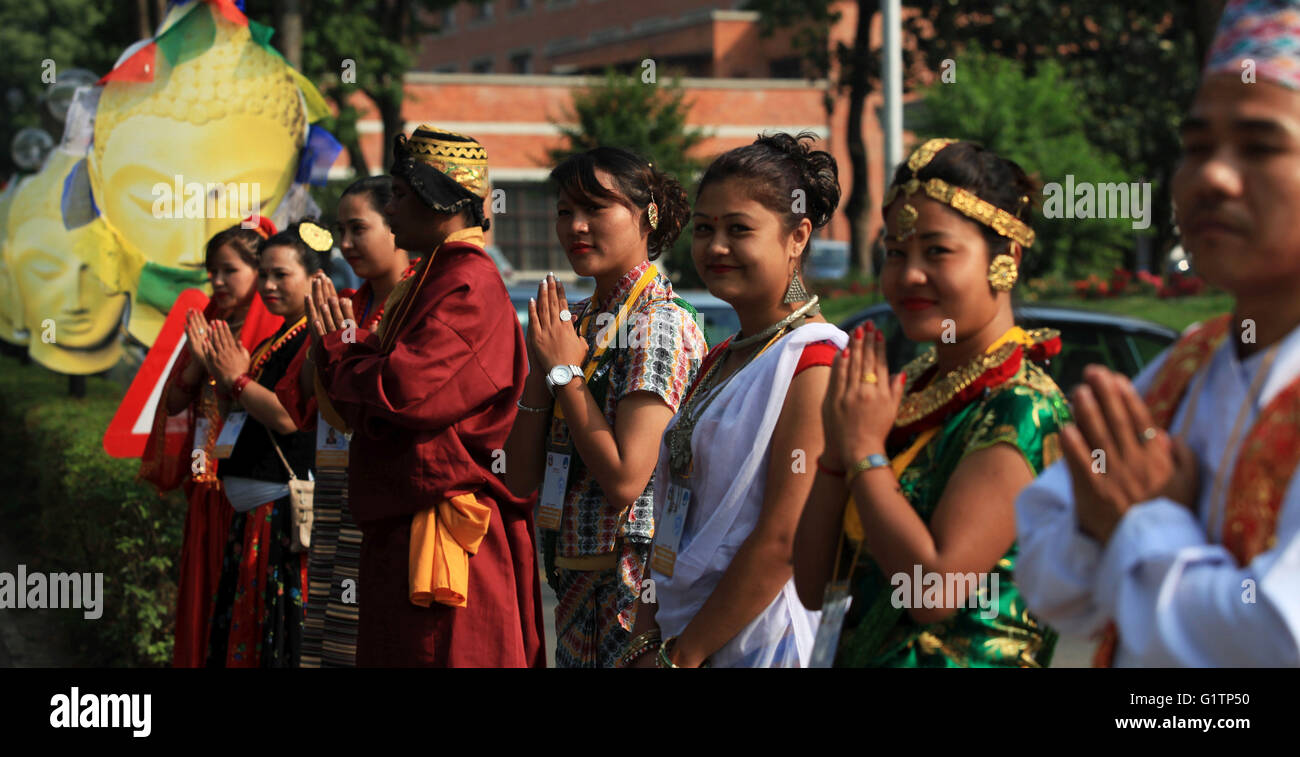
(930, 460)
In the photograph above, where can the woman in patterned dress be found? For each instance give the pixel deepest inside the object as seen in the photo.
(636, 348)
(934, 456)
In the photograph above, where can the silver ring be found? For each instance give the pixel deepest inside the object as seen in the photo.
(1149, 434)
(203, 332)
(565, 315)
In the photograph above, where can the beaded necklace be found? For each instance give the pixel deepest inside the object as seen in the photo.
(268, 348)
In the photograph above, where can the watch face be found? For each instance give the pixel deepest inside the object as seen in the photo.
(561, 374)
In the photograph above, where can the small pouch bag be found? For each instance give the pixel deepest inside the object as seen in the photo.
(301, 495)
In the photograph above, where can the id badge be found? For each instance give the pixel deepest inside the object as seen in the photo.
(668, 532)
(331, 445)
(835, 606)
(230, 433)
(200, 433)
(550, 506)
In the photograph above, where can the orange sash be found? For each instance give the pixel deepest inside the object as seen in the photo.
(1265, 465)
(442, 539)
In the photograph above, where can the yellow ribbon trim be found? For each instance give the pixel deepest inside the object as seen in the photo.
(442, 539)
(646, 277)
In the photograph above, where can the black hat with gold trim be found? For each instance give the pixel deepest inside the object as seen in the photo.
(448, 171)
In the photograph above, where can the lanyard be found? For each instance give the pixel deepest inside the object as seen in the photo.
(594, 358)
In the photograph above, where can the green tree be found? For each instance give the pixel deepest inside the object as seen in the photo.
(69, 33)
(1033, 120)
(350, 47)
(1135, 65)
(649, 120)
(851, 68)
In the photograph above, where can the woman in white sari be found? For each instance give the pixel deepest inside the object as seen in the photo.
(736, 463)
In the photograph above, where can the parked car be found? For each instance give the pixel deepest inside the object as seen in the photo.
(1121, 343)
(717, 318)
(829, 259)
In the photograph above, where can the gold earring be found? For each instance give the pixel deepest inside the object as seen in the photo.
(1003, 273)
(652, 213)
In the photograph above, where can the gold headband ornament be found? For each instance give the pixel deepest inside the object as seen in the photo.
(315, 237)
(961, 200)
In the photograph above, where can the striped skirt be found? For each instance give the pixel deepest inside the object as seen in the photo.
(333, 600)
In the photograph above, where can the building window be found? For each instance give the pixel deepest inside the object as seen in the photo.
(786, 68)
(482, 12)
(481, 66)
(526, 231)
(522, 62)
(519, 6)
(448, 19)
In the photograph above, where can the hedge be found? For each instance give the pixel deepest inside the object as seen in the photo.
(72, 507)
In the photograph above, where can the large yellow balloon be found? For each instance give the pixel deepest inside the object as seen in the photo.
(230, 119)
(73, 321)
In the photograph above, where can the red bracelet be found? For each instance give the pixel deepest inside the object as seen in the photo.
(237, 388)
(828, 471)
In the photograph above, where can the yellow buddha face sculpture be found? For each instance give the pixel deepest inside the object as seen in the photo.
(180, 158)
(72, 319)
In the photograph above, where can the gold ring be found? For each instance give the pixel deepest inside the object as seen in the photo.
(870, 377)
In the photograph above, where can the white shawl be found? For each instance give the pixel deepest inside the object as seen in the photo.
(731, 448)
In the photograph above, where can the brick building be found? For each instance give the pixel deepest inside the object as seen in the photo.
(511, 66)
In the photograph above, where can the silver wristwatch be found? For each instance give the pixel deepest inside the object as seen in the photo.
(561, 375)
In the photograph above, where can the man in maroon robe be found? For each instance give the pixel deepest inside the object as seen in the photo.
(430, 397)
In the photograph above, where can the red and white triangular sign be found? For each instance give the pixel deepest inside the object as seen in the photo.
(131, 424)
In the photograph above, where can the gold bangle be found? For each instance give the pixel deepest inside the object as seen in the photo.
(665, 661)
(867, 463)
(638, 646)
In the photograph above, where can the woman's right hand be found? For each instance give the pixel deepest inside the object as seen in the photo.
(198, 339)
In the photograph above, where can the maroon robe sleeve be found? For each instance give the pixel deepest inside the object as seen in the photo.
(443, 366)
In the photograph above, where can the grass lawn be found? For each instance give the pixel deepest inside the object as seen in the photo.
(1176, 312)
(836, 309)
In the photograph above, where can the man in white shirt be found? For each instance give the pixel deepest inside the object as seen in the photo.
(1183, 546)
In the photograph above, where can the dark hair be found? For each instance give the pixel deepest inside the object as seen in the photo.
(311, 260)
(244, 241)
(990, 177)
(377, 189)
(775, 166)
(637, 180)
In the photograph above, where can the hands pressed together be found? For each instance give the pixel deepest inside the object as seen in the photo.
(551, 339)
(213, 344)
(1118, 457)
(326, 311)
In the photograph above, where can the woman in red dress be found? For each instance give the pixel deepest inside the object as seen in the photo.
(189, 403)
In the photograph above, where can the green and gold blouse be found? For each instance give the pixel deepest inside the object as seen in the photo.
(1026, 411)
